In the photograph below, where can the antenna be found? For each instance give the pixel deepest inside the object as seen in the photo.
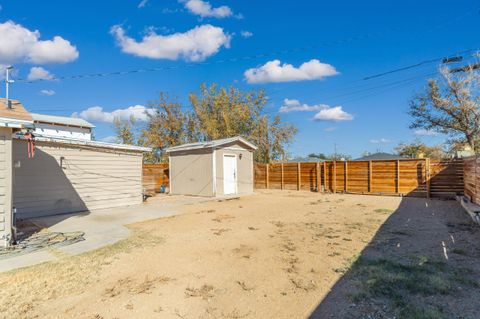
(7, 84)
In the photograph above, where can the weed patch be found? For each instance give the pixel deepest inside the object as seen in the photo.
(402, 283)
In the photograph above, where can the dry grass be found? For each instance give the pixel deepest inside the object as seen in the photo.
(275, 256)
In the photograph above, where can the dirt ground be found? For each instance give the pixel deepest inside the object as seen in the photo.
(275, 254)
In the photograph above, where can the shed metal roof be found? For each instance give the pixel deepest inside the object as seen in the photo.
(211, 144)
(63, 120)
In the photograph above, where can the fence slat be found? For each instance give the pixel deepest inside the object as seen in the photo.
(299, 176)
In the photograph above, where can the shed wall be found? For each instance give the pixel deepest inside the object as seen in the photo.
(65, 179)
(5, 183)
(244, 168)
(191, 172)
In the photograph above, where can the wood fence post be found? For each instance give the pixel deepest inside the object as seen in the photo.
(324, 176)
(345, 182)
(427, 175)
(318, 177)
(334, 179)
(281, 175)
(298, 175)
(369, 176)
(397, 176)
(267, 175)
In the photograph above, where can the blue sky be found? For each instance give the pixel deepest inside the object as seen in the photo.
(337, 42)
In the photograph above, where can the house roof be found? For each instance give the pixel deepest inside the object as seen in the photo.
(62, 120)
(15, 116)
(380, 156)
(211, 144)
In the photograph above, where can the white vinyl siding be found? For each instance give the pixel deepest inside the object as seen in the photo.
(5, 184)
(65, 179)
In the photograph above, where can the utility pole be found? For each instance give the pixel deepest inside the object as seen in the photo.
(335, 151)
(7, 84)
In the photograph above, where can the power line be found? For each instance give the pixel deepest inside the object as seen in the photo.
(221, 61)
(243, 58)
(443, 60)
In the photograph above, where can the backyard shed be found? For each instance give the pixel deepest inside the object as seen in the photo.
(214, 168)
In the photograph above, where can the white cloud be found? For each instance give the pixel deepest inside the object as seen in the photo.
(196, 44)
(97, 114)
(205, 10)
(423, 132)
(109, 139)
(296, 106)
(333, 114)
(274, 71)
(380, 141)
(18, 44)
(38, 73)
(330, 129)
(246, 34)
(142, 4)
(47, 92)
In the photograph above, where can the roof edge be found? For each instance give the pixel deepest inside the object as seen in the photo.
(210, 144)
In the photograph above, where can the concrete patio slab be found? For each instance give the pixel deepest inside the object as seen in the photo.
(101, 227)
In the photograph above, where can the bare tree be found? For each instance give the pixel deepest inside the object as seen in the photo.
(451, 106)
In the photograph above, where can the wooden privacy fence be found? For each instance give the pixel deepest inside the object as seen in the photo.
(414, 177)
(472, 178)
(154, 176)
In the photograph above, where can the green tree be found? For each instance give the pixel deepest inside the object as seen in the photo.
(124, 130)
(451, 106)
(167, 125)
(418, 149)
(227, 112)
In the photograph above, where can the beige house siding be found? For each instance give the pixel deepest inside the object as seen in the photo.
(191, 172)
(5, 183)
(65, 178)
(244, 168)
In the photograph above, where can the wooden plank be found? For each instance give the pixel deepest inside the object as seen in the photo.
(334, 178)
(427, 175)
(299, 177)
(267, 174)
(318, 177)
(325, 176)
(369, 176)
(345, 183)
(281, 168)
(397, 178)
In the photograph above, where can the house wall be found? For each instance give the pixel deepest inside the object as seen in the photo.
(63, 131)
(5, 184)
(244, 168)
(65, 178)
(191, 172)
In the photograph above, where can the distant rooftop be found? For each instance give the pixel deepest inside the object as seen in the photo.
(211, 144)
(63, 120)
(380, 156)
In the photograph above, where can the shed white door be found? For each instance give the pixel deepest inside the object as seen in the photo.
(229, 174)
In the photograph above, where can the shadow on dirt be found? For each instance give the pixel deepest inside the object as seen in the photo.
(422, 263)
